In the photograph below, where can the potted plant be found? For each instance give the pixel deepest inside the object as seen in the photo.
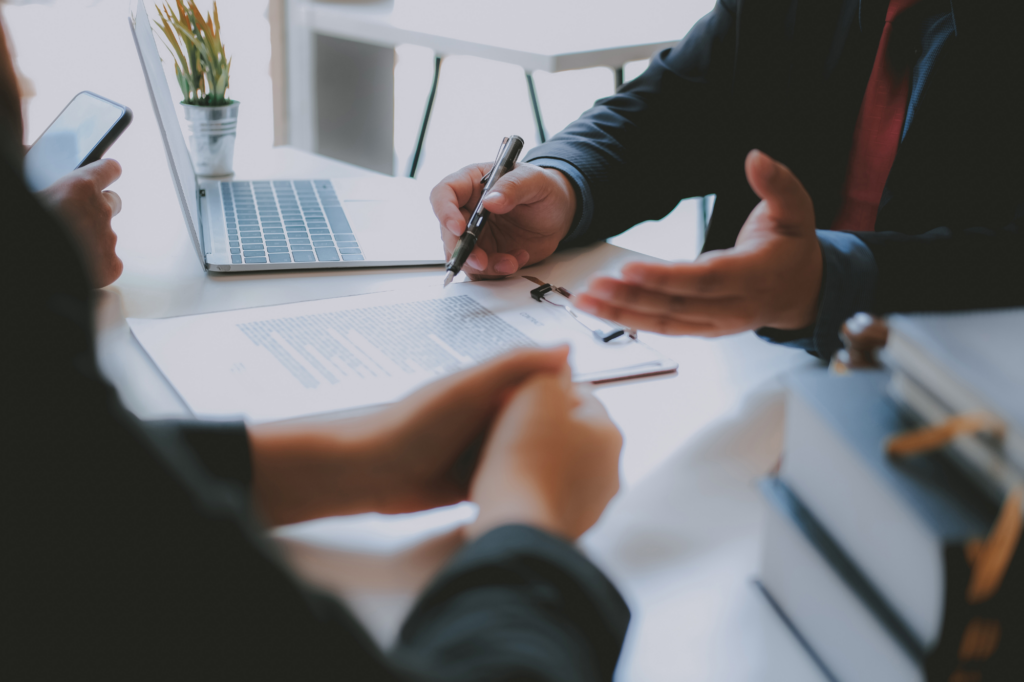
(203, 72)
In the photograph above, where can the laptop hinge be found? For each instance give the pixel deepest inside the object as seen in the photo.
(202, 228)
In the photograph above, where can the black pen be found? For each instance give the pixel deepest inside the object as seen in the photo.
(506, 161)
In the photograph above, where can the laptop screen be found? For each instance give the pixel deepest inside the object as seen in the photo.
(174, 142)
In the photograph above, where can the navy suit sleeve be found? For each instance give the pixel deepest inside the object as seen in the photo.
(946, 269)
(889, 272)
(663, 137)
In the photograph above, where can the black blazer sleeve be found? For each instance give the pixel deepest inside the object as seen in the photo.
(221, 447)
(129, 556)
(517, 572)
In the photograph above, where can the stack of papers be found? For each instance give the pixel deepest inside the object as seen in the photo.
(300, 359)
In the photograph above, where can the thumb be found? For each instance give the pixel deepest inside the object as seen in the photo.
(477, 384)
(103, 172)
(512, 368)
(526, 184)
(787, 200)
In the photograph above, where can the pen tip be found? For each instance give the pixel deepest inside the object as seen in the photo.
(448, 278)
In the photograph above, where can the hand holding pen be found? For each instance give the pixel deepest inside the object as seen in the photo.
(531, 209)
(508, 153)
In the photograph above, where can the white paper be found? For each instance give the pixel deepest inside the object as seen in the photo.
(287, 361)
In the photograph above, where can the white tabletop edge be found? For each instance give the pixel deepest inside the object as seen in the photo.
(378, 29)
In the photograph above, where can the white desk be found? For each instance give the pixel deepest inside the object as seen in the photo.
(340, 55)
(681, 538)
(681, 544)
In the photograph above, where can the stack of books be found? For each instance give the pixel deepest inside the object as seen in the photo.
(907, 567)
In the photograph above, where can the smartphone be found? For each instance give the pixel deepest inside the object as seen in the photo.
(81, 134)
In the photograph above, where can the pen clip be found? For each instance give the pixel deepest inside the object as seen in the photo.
(501, 152)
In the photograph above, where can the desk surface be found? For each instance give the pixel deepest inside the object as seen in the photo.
(681, 542)
(534, 34)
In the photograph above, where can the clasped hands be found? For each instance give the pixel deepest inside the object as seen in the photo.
(770, 278)
(549, 457)
(550, 454)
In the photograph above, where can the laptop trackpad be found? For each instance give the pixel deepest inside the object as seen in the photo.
(391, 230)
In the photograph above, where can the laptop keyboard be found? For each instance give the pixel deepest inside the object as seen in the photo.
(286, 221)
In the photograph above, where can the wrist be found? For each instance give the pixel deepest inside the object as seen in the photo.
(802, 312)
(567, 197)
(306, 472)
(515, 504)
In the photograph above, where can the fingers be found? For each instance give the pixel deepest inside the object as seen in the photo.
(770, 278)
(654, 311)
(550, 460)
(114, 200)
(658, 323)
(109, 270)
(479, 387)
(452, 194)
(453, 199)
(693, 308)
(504, 264)
(593, 412)
(477, 258)
(491, 266)
(721, 274)
(786, 197)
(512, 368)
(103, 172)
(525, 184)
(532, 206)
(481, 265)
(592, 409)
(550, 393)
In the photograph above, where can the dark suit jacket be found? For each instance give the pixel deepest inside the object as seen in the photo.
(129, 550)
(788, 77)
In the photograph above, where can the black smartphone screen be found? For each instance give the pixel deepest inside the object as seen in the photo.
(79, 135)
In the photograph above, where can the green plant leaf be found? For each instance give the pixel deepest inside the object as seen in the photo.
(222, 85)
(172, 41)
(183, 84)
(201, 64)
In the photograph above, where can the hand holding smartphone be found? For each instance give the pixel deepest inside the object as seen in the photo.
(79, 196)
(81, 134)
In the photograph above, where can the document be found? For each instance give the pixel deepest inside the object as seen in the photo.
(300, 359)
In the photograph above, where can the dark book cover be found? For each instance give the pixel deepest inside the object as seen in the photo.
(784, 501)
(859, 411)
(982, 632)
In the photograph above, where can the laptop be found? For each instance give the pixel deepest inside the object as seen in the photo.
(245, 226)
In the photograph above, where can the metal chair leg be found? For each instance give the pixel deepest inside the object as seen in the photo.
(536, 108)
(618, 78)
(414, 164)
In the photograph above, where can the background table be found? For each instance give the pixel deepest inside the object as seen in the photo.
(339, 56)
